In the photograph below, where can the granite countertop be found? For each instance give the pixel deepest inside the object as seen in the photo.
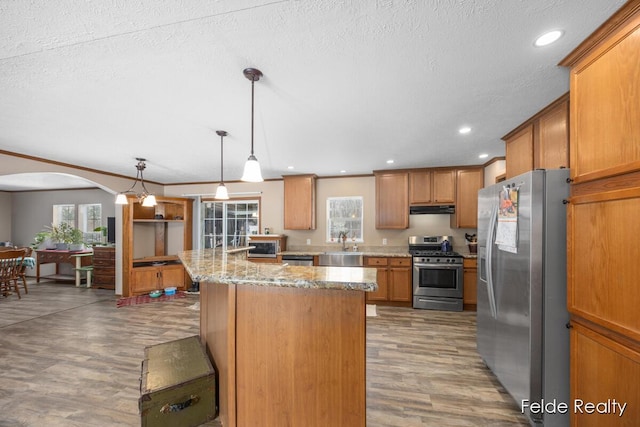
(217, 266)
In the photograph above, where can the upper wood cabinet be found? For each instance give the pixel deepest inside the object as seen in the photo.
(605, 94)
(300, 202)
(392, 200)
(468, 183)
(551, 146)
(519, 151)
(432, 186)
(542, 142)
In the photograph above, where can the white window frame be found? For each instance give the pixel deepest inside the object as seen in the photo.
(208, 240)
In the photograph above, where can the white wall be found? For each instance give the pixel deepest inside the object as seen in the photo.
(493, 170)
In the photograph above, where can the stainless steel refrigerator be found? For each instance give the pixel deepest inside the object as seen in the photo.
(522, 316)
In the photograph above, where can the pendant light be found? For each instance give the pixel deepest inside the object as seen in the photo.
(221, 191)
(252, 167)
(144, 197)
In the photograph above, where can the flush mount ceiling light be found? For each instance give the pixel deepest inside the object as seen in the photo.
(144, 197)
(221, 191)
(465, 129)
(252, 167)
(548, 38)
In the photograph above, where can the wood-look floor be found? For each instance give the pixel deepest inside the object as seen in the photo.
(69, 357)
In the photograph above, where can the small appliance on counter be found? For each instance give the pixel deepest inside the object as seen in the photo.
(437, 273)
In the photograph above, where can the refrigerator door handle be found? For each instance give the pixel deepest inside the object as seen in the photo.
(490, 237)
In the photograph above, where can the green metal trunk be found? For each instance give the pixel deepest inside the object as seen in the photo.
(178, 386)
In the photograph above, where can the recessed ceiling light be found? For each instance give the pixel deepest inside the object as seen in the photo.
(483, 156)
(289, 167)
(464, 129)
(548, 38)
(389, 161)
(343, 171)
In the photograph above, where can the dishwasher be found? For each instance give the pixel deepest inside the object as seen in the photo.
(298, 259)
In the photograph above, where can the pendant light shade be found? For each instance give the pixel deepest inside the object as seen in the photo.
(221, 191)
(252, 171)
(144, 197)
(121, 199)
(149, 201)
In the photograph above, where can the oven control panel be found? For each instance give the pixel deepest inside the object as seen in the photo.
(437, 260)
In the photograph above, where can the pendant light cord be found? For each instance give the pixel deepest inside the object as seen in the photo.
(252, 84)
(221, 159)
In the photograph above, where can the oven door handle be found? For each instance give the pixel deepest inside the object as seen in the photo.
(439, 266)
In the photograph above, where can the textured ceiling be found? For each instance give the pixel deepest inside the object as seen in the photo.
(347, 84)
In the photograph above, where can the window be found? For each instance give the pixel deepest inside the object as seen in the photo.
(344, 216)
(64, 214)
(229, 222)
(90, 218)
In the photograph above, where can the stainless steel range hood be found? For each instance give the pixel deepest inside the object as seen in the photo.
(440, 209)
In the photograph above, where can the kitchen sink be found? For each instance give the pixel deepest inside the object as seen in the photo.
(341, 259)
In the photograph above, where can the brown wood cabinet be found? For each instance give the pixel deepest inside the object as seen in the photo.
(286, 356)
(603, 270)
(152, 238)
(468, 183)
(432, 186)
(470, 277)
(605, 88)
(519, 151)
(392, 200)
(104, 267)
(300, 202)
(394, 281)
(551, 144)
(541, 142)
(149, 278)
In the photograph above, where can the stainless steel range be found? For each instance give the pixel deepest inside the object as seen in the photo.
(437, 274)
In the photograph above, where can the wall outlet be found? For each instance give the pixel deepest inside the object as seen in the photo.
(384, 241)
(308, 241)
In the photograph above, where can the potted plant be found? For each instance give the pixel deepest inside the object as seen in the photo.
(41, 238)
(103, 230)
(76, 240)
(63, 235)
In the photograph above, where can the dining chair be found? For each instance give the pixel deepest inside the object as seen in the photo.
(10, 266)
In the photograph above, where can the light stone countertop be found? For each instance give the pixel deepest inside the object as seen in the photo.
(217, 266)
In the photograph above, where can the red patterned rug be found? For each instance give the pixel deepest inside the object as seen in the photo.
(142, 299)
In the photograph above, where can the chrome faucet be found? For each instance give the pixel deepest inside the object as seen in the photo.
(343, 236)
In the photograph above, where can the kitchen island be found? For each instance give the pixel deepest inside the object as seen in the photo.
(287, 342)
